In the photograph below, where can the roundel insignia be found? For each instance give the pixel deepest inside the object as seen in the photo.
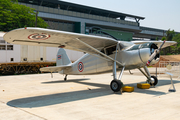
(80, 66)
(38, 36)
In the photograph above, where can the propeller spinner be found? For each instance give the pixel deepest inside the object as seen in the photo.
(156, 51)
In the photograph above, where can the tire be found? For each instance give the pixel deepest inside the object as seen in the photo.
(155, 81)
(116, 85)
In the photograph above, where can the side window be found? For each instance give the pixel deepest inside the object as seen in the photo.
(102, 51)
(2, 47)
(110, 50)
(9, 47)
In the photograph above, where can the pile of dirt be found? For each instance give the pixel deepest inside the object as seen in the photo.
(173, 58)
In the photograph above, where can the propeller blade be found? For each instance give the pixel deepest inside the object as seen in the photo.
(154, 54)
(152, 57)
(161, 45)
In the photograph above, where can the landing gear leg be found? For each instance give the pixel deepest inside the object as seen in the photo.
(152, 80)
(65, 78)
(116, 84)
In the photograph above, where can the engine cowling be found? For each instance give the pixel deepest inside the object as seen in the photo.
(146, 50)
(138, 55)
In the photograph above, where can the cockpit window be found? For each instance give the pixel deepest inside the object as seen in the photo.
(145, 45)
(135, 47)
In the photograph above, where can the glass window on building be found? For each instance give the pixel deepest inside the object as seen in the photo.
(2, 47)
(9, 47)
(2, 41)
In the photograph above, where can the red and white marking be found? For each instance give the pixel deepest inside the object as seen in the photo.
(37, 36)
(59, 57)
(80, 66)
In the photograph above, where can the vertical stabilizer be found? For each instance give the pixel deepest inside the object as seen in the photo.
(62, 58)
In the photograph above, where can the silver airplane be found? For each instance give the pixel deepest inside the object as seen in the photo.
(103, 54)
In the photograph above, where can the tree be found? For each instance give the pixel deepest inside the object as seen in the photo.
(157, 38)
(13, 15)
(170, 34)
(177, 47)
(163, 38)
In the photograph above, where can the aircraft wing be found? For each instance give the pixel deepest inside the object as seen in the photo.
(55, 68)
(158, 43)
(73, 41)
(56, 38)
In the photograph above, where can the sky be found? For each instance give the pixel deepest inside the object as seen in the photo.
(160, 14)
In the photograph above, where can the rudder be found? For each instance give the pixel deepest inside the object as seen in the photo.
(62, 58)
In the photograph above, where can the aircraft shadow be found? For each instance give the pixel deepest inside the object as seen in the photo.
(59, 98)
(62, 81)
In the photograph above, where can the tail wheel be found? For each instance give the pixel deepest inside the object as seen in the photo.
(65, 78)
(116, 85)
(153, 81)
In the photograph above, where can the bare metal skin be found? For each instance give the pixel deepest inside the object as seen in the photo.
(104, 54)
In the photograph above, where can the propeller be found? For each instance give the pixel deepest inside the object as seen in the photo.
(154, 54)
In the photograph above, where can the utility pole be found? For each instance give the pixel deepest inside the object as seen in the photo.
(36, 18)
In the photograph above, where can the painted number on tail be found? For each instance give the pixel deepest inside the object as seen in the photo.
(80, 66)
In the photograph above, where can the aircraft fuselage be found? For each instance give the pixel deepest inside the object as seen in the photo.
(133, 57)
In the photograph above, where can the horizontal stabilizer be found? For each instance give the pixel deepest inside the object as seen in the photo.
(55, 68)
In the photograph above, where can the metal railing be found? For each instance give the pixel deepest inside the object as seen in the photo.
(172, 67)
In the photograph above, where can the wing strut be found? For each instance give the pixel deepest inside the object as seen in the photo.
(99, 52)
(89, 53)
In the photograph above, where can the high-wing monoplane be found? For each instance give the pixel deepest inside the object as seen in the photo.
(103, 54)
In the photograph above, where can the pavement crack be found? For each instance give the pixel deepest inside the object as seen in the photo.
(24, 111)
(31, 113)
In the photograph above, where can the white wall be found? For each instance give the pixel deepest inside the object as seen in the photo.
(6, 55)
(51, 53)
(33, 53)
(2, 56)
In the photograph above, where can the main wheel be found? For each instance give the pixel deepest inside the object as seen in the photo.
(153, 81)
(116, 85)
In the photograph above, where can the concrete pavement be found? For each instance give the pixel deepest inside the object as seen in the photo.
(89, 97)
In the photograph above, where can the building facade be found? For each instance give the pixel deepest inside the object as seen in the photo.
(77, 18)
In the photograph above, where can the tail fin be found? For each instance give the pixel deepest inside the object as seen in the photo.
(62, 58)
